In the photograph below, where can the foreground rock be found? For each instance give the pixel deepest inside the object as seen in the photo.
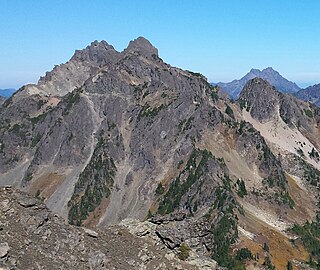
(34, 238)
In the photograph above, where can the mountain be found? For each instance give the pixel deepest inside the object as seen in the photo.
(124, 139)
(7, 92)
(269, 74)
(311, 94)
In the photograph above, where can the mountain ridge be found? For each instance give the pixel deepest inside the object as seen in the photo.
(311, 94)
(7, 92)
(273, 77)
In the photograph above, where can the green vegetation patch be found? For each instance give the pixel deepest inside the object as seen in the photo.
(147, 111)
(71, 99)
(184, 251)
(94, 184)
(310, 237)
(308, 113)
(242, 191)
(194, 170)
(225, 232)
(229, 111)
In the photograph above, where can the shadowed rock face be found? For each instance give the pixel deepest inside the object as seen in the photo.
(111, 136)
(262, 99)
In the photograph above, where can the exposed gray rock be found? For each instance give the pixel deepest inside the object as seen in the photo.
(142, 46)
(36, 233)
(261, 99)
(27, 201)
(4, 249)
(90, 232)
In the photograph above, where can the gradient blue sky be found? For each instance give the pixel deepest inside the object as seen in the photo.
(221, 39)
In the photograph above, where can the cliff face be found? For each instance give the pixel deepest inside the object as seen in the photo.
(111, 136)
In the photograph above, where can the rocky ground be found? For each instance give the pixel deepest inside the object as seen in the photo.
(31, 237)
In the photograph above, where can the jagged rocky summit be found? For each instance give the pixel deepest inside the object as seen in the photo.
(113, 138)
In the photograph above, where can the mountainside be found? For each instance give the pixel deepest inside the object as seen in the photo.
(7, 92)
(273, 77)
(311, 94)
(115, 138)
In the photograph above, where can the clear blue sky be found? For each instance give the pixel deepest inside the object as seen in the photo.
(221, 39)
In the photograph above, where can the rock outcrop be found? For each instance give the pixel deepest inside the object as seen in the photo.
(34, 238)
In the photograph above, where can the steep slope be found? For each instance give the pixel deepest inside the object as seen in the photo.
(291, 129)
(273, 77)
(129, 137)
(311, 94)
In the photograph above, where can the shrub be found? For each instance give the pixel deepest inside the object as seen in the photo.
(229, 112)
(308, 113)
(244, 254)
(184, 251)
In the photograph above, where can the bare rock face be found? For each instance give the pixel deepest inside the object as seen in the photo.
(4, 249)
(143, 47)
(261, 99)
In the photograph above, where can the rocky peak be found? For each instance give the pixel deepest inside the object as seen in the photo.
(260, 98)
(99, 52)
(270, 70)
(142, 46)
(259, 86)
(254, 71)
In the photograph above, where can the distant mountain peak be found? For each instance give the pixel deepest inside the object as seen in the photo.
(255, 70)
(269, 69)
(269, 74)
